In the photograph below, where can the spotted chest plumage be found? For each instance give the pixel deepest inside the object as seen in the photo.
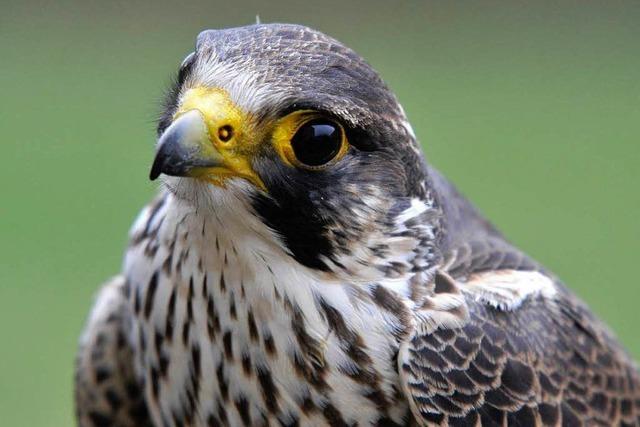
(235, 335)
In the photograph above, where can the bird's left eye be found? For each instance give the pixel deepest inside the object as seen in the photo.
(309, 140)
(317, 142)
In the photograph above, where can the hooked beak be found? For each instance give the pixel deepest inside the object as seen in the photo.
(184, 147)
(210, 139)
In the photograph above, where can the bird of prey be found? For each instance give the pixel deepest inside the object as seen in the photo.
(304, 266)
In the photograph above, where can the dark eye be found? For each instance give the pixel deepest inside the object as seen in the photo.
(317, 142)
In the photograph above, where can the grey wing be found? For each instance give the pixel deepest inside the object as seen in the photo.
(107, 392)
(547, 362)
(486, 254)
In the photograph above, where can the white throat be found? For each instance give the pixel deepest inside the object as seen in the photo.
(226, 271)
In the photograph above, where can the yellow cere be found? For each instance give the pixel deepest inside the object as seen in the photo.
(230, 132)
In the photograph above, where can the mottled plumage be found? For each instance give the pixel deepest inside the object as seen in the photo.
(363, 291)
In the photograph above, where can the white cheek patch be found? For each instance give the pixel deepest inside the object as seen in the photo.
(508, 289)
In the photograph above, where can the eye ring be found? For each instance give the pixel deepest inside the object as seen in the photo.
(316, 142)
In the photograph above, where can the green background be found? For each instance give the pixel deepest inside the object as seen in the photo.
(533, 110)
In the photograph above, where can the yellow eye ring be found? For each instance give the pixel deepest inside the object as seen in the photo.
(309, 140)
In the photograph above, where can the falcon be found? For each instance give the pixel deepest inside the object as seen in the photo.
(304, 266)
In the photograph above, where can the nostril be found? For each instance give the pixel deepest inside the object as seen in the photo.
(225, 133)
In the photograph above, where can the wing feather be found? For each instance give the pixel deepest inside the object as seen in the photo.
(544, 361)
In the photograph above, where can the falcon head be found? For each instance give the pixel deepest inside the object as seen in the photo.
(283, 124)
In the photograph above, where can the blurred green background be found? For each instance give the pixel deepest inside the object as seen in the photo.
(533, 110)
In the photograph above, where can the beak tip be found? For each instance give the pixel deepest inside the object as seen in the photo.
(155, 171)
(179, 148)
